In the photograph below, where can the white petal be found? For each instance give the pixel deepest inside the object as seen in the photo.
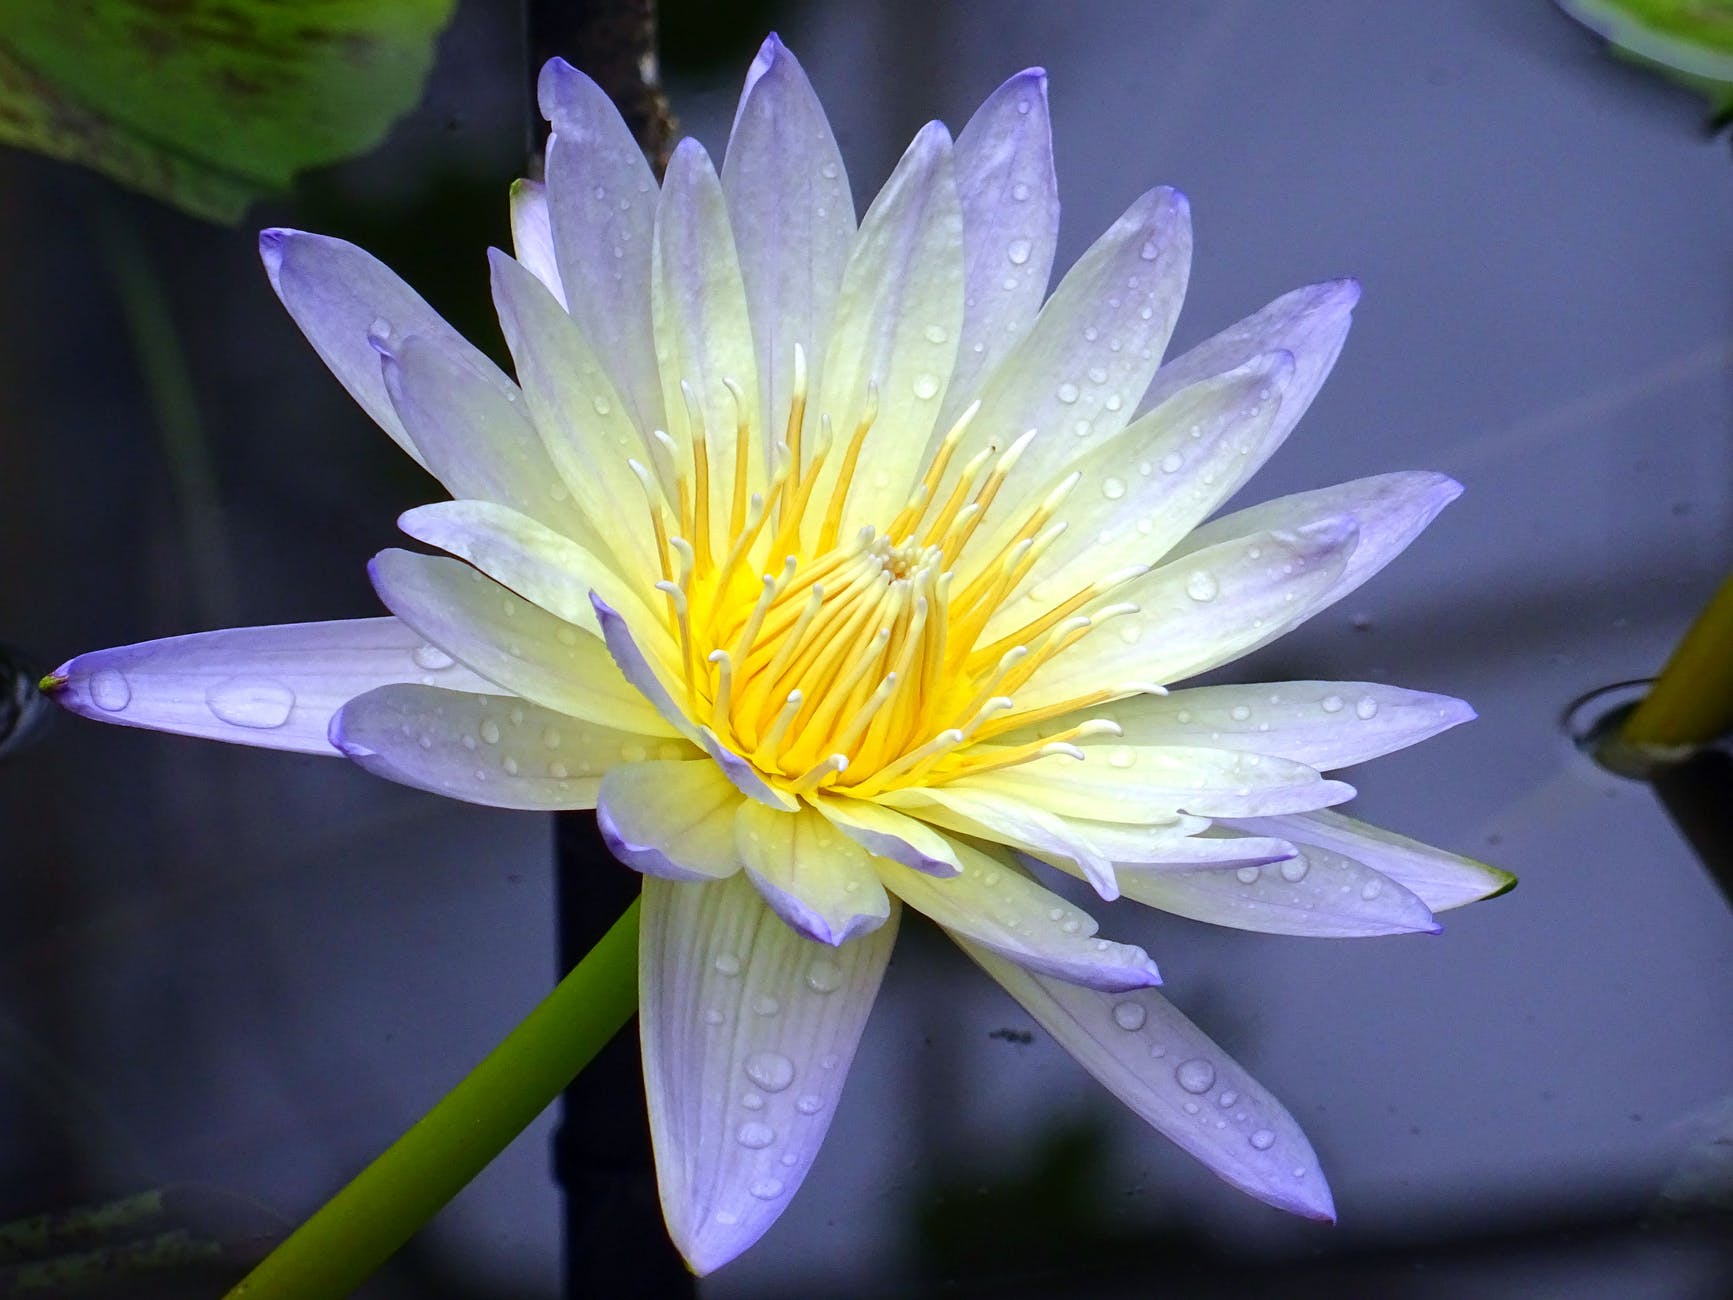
(275, 687)
(1177, 848)
(1325, 725)
(1201, 611)
(532, 560)
(813, 876)
(532, 235)
(601, 205)
(636, 667)
(670, 818)
(996, 905)
(339, 296)
(1010, 201)
(887, 833)
(582, 419)
(488, 749)
(1150, 784)
(1310, 324)
(1389, 510)
(1078, 372)
(1169, 1072)
(897, 319)
(508, 640)
(748, 1033)
(1315, 893)
(1148, 485)
(1014, 822)
(1442, 880)
(474, 438)
(703, 332)
(793, 220)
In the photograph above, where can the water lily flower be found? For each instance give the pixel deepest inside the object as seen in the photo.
(841, 569)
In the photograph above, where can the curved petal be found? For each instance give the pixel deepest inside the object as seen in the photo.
(671, 818)
(508, 640)
(1168, 1071)
(897, 318)
(703, 331)
(534, 561)
(813, 876)
(487, 749)
(1000, 908)
(578, 413)
(601, 208)
(886, 833)
(532, 235)
(1150, 784)
(274, 687)
(1316, 893)
(1010, 198)
(1390, 511)
(1091, 352)
(340, 296)
(793, 220)
(1203, 610)
(1148, 485)
(1015, 823)
(1325, 725)
(748, 1032)
(1309, 323)
(474, 438)
(1441, 880)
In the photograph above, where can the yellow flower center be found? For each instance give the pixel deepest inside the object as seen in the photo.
(860, 664)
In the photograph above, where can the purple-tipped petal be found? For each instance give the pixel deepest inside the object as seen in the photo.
(1010, 198)
(793, 220)
(748, 1032)
(532, 235)
(485, 749)
(996, 905)
(813, 876)
(887, 833)
(601, 208)
(273, 687)
(673, 819)
(1169, 1072)
(1022, 824)
(632, 662)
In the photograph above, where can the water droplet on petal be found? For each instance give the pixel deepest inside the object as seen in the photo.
(1248, 875)
(490, 731)
(251, 702)
(1294, 870)
(1113, 488)
(1196, 1075)
(431, 657)
(755, 1135)
(1019, 191)
(1371, 889)
(766, 1189)
(824, 977)
(1262, 1140)
(728, 964)
(1018, 251)
(108, 690)
(767, 1006)
(1122, 756)
(809, 1103)
(1129, 1016)
(602, 405)
(713, 1017)
(1240, 713)
(1200, 585)
(828, 171)
(936, 334)
(1366, 708)
(771, 1071)
(1067, 393)
(926, 386)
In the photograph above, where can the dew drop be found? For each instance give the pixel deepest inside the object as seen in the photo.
(634, 752)
(1097, 375)
(490, 731)
(1201, 585)
(1113, 488)
(108, 690)
(1122, 756)
(1366, 708)
(559, 771)
(1262, 1139)
(431, 657)
(1248, 875)
(1129, 1016)
(1067, 393)
(510, 765)
(712, 1017)
(926, 386)
(767, 1006)
(1294, 870)
(602, 405)
(552, 738)
(1129, 632)
(727, 1218)
(828, 171)
(727, 964)
(1018, 251)
(1023, 107)
(251, 702)
(936, 334)
(1196, 1075)
(1227, 1099)
(824, 977)
(771, 1071)
(766, 1189)
(1151, 250)
(809, 1103)
(755, 1135)
(752, 1101)
(1019, 191)
(1170, 463)
(1240, 713)
(1371, 889)
(1331, 704)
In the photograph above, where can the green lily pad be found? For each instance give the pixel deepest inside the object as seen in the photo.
(1690, 41)
(209, 104)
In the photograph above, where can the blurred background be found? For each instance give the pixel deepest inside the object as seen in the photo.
(237, 975)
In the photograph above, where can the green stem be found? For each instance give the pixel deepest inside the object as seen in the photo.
(357, 1230)
(1691, 702)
